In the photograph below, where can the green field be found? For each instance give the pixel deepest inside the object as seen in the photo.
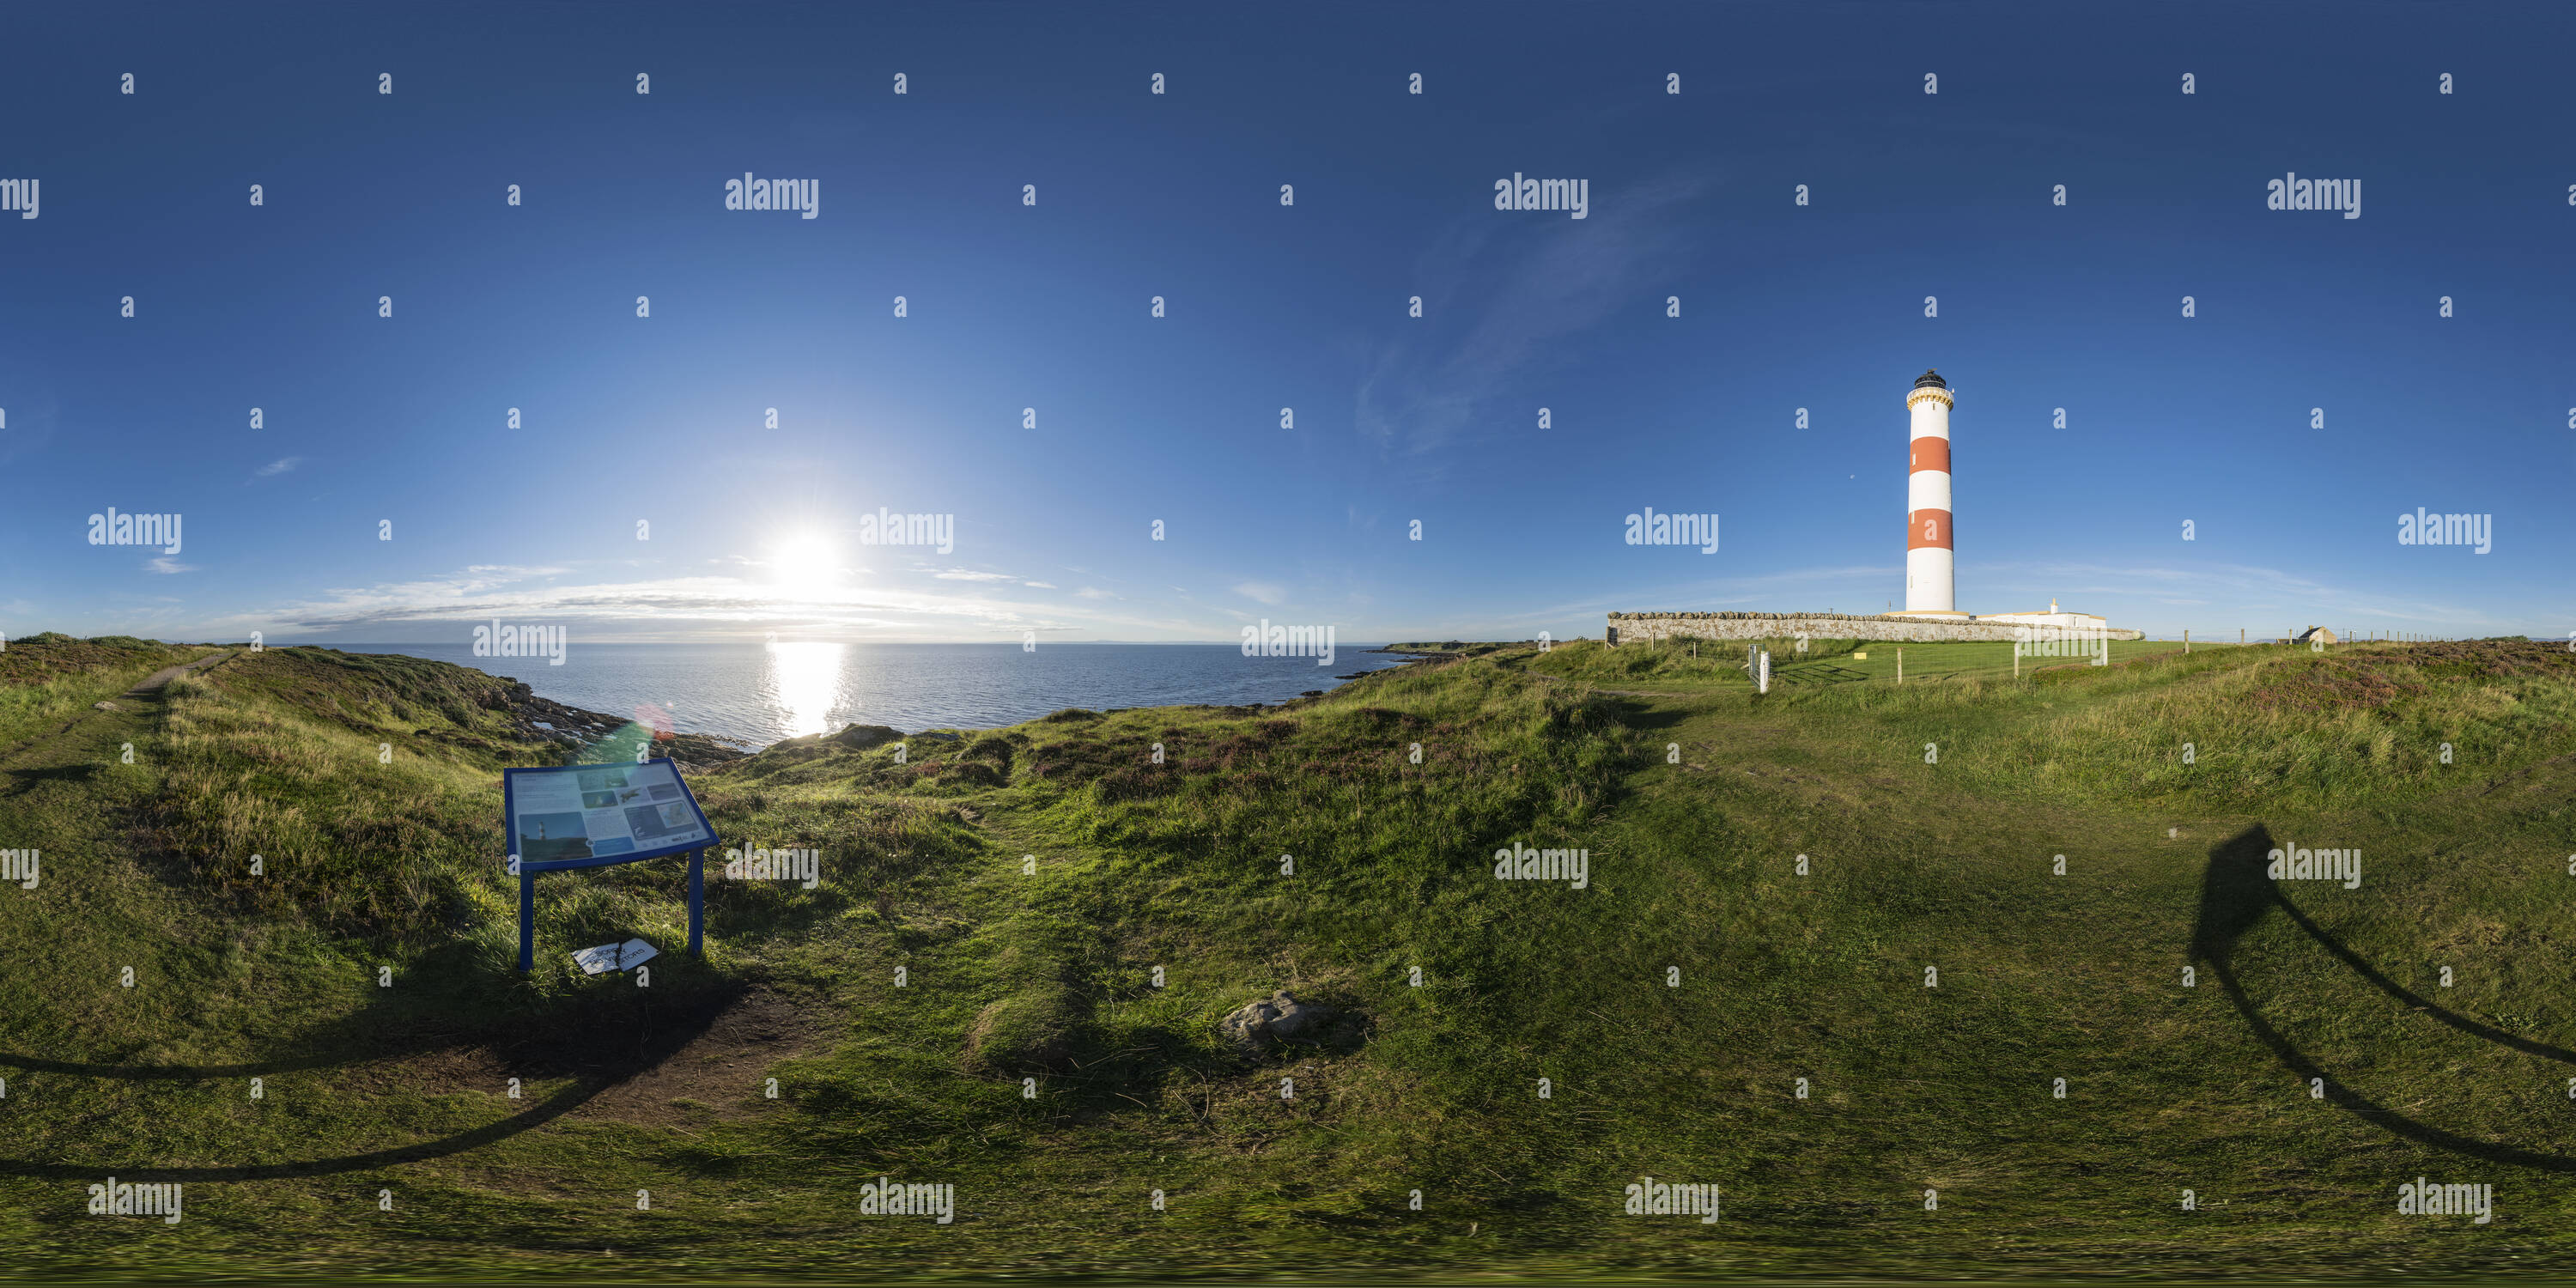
(1925, 981)
(1679, 666)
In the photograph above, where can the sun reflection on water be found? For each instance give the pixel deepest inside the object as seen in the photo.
(804, 681)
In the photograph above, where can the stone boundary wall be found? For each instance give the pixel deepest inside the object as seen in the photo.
(1639, 628)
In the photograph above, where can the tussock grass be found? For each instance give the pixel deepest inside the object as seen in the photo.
(1678, 661)
(48, 678)
(2266, 727)
(365, 841)
(1071, 917)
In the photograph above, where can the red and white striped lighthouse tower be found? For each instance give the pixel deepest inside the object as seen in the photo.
(1931, 575)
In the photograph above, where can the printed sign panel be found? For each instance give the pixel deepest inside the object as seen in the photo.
(586, 814)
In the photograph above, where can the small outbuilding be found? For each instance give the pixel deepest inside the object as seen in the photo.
(2316, 635)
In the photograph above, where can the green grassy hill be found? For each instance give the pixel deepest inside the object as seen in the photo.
(1824, 958)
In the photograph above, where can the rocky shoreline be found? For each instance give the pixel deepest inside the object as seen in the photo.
(537, 719)
(544, 720)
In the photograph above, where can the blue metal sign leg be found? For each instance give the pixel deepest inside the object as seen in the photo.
(697, 900)
(527, 920)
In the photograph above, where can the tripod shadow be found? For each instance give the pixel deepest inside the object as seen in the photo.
(657, 1033)
(2235, 895)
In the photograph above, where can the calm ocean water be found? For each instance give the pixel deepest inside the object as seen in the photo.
(761, 693)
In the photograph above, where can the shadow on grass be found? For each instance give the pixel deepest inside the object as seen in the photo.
(1817, 673)
(2236, 894)
(1645, 714)
(599, 1045)
(28, 780)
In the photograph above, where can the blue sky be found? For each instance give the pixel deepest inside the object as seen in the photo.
(369, 419)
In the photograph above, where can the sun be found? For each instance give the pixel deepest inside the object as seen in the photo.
(804, 567)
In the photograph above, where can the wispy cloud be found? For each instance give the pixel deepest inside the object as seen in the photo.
(1526, 288)
(706, 606)
(2245, 589)
(1039, 585)
(166, 564)
(276, 467)
(968, 574)
(1264, 591)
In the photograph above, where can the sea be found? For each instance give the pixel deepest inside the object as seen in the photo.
(758, 694)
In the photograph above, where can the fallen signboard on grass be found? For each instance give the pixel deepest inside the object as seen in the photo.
(614, 957)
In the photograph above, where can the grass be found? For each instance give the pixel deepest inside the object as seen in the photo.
(45, 679)
(1010, 975)
(1680, 665)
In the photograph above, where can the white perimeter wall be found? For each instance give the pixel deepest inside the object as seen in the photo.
(1638, 628)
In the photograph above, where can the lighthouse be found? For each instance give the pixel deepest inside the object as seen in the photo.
(1931, 582)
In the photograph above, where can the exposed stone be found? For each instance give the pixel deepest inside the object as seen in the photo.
(859, 737)
(1277, 1018)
